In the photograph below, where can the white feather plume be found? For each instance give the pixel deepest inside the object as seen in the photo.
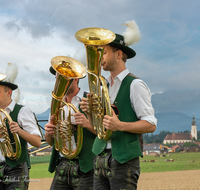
(132, 33)
(16, 95)
(11, 72)
(11, 75)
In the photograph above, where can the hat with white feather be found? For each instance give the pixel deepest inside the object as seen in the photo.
(128, 38)
(9, 77)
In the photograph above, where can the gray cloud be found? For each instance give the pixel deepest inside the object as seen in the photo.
(37, 29)
(184, 101)
(12, 25)
(33, 32)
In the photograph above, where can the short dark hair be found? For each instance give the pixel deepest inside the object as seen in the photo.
(6, 88)
(124, 56)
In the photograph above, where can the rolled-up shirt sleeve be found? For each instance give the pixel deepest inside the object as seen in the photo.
(140, 96)
(26, 120)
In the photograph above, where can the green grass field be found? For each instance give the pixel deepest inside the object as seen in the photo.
(182, 161)
(40, 171)
(39, 167)
(40, 159)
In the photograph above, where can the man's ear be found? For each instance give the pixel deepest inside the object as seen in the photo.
(10, 92)
(119, 53)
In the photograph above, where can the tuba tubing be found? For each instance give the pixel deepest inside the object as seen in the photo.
(5, 145)
(94, 39)
(67, 69)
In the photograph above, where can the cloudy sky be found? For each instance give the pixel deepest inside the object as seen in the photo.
(32, 32)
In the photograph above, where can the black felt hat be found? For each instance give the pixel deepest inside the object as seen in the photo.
(5, 82)
(119, 43)
(129, 37)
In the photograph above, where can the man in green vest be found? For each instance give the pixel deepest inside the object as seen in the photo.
(76, 173)
(116, 165)
(20, 122)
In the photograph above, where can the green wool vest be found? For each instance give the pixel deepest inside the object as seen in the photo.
(85, 157)
(24, 155)
(125, 146)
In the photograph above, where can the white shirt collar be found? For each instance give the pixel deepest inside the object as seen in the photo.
(10, 107)
(77, 97)
(120, 76)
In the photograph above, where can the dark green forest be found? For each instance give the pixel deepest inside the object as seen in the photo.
(158, 138)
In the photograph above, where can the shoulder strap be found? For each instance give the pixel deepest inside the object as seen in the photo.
(39, 127)
(14, 113)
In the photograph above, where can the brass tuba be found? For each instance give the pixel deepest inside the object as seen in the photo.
(94, 39)
(2, 76)
(67, 69)
(5, 144)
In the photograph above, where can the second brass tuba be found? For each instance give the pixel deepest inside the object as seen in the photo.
(5, 145)
(94, 39)
(67, 69)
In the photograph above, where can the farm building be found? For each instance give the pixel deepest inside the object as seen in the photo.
(151, 149)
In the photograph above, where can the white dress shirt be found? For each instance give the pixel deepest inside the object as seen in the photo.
(140, 97)
(25, 119)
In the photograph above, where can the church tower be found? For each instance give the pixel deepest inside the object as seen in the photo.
(194, 128)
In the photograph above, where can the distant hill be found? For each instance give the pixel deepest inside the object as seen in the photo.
(174, 122)
(44, 115)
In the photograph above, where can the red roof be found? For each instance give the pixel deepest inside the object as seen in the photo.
(179, 136)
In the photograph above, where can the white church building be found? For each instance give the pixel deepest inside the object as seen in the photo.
(182, 137)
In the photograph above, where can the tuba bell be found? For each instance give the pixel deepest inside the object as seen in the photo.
(94, 39)
(67, 69)
(2, 76)
(5, 145)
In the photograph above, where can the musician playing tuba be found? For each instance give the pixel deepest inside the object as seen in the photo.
(132, 97)
(17, 128)
(72, 173)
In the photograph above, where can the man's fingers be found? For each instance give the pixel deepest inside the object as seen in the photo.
(52, 118)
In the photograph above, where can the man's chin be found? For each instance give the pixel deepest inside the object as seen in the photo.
(105, 68)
